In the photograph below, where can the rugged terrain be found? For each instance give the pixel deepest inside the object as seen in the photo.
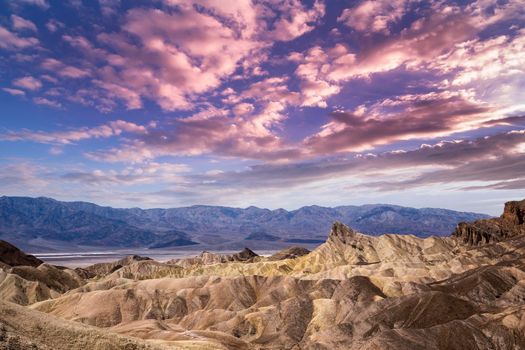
(354, 291)
(38, 224)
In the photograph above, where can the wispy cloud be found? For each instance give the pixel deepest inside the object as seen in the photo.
(11, 41)
(28, 83)
(20, 23)
(111, 129)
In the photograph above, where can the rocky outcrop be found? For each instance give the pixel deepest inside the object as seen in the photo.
(208, 258)
(103, 269)
(12, 256)
(341, 233)
(509, 224)
(289, 253)
(26, 285)
(22, 328)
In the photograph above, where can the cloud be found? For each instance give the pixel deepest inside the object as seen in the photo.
(28, 83)
(402, 118)
(494, 66)
(374, 16)
(186, 49)
(485, 159)
(498, 167)
(180, 54)
(40, 3)
(47, 102)
(109, 7)
(274, 89)
(211, 131)
(428, 39)
(11, 41)
(21, 24)
(113, 128)
(56, 150)
(14, 92)
(53, 25)
(148, 173)
(312, 70)
(64, 70)
(295, 19)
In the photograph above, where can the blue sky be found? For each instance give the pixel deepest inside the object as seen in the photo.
(268, 103)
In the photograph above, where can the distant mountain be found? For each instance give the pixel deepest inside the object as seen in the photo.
(44, 223)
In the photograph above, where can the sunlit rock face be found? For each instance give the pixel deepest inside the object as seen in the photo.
(355, 291)
(509, 224)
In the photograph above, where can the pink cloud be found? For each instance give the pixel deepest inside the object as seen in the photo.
(114, 128)
(53, 25)
(243, 108)
(491, 160)
(428, 39)
(178, 55)
(147, 173)
(109, 7)
(206, 50)
(295, 20)
(313, 68)
(14, 92)
(120, 126)
(47, 102)
(40, 3)
(403, 118)
(64, 70)
(270, 89)
(20, 23)
(250, 136)
(374, 16)
(479, 60)
(131, 98)
(11, 41)
(28, 83)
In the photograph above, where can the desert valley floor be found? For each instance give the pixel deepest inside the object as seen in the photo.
(466, 291)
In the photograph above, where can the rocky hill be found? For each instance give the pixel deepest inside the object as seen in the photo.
(43, 223)
(355, 291)
(511, 223)
(11, 255)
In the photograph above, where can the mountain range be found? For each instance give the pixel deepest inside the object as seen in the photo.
(47, 224)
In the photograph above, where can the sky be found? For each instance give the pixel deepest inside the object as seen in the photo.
(277, 104)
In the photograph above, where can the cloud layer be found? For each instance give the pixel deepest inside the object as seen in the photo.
(200, 99)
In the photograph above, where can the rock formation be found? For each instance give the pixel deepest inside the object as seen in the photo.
(208, 258)
(103, 269)
(12, 256)
(389, 292)
(289, 253)
(509, 224)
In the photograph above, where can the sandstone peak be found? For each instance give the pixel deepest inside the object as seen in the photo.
(289, 253)
(511, 223)
(514, 212)
(341, 232)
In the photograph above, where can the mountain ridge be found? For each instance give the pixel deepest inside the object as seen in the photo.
(53, 224)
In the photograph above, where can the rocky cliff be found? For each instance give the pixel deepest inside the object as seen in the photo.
(509, 224)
